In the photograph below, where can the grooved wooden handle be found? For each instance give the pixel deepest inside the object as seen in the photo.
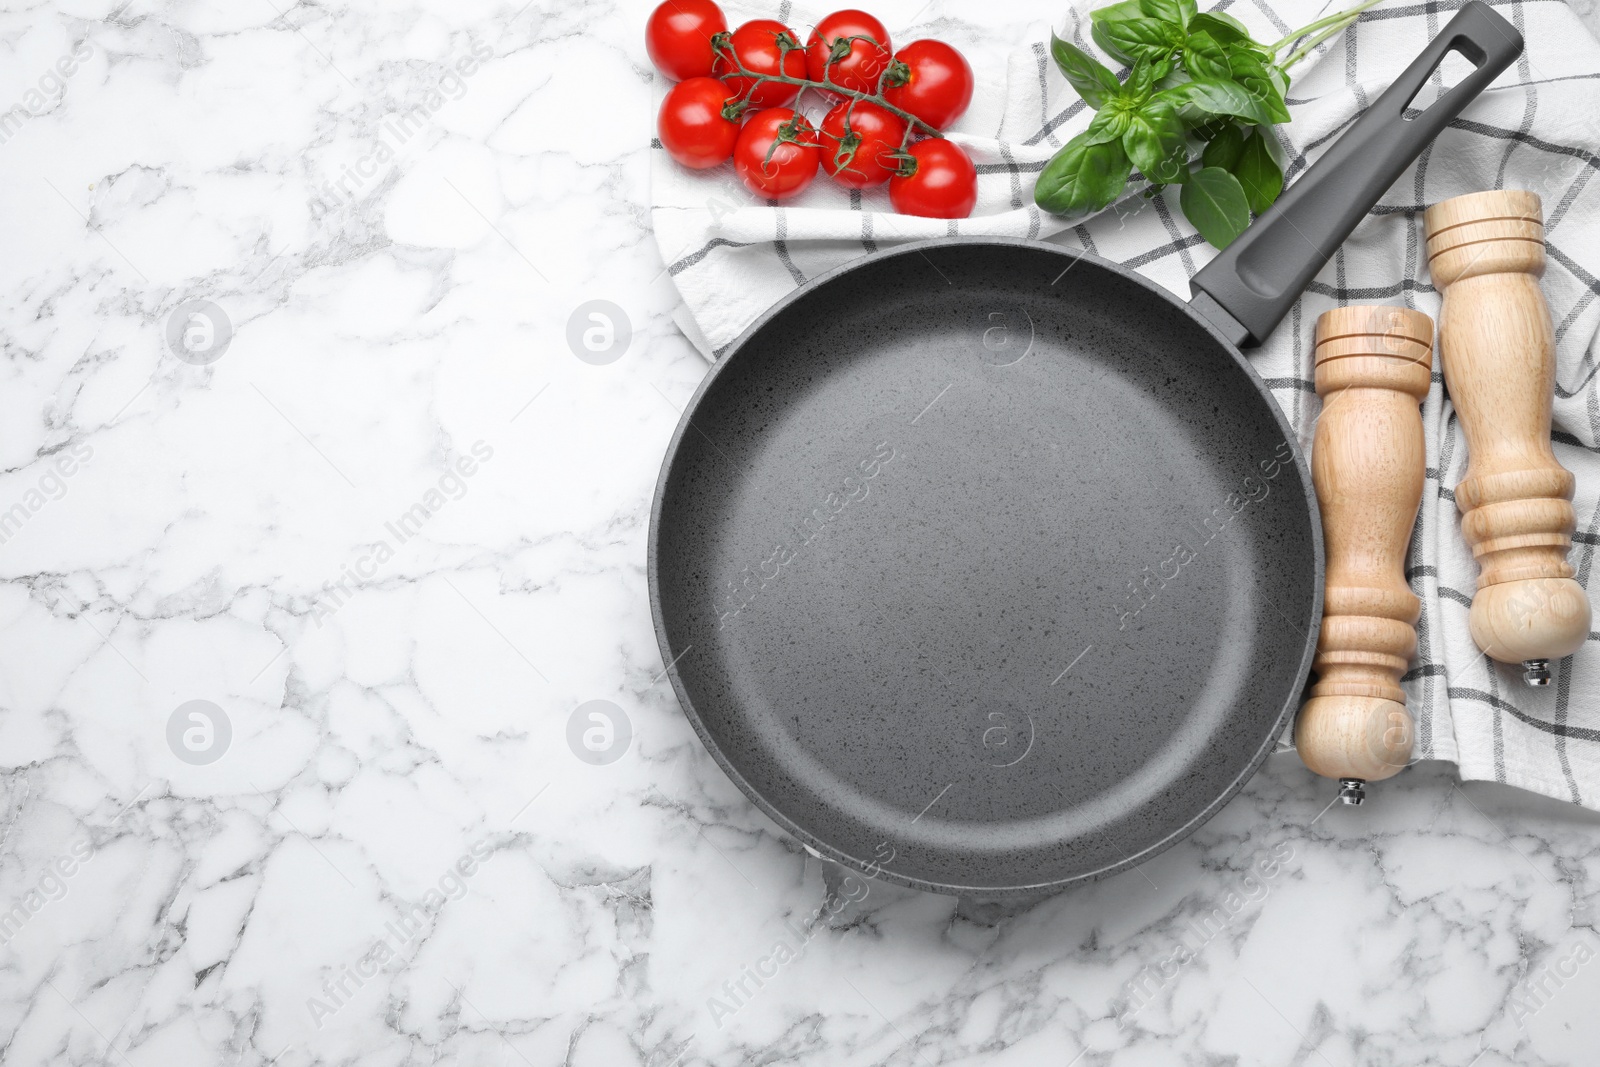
(1497, 349)
(1374, 365)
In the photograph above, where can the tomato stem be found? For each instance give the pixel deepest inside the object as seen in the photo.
(845, 153)
(790, 132)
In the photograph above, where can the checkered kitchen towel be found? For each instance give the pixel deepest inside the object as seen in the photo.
(731, 258)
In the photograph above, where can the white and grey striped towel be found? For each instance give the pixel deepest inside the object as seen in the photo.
(1536, 129)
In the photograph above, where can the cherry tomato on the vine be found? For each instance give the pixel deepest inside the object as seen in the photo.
(693, 126)
(861, 143)
(777, 153)
(942, 183)
(848, 63)
(678, 37)
(930, 80)
(763, 46)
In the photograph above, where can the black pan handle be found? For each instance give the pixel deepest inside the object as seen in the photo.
(1256, 280)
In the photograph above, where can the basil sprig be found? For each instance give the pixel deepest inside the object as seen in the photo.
(1195, 110)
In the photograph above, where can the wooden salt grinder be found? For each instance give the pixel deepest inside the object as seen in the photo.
(1486, 254)
(1373, 365)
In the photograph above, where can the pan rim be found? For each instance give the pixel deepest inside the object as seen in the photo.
(824, 850)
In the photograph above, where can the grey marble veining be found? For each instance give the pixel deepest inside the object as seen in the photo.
(390, 530)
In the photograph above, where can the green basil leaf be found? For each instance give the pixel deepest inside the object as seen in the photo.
(1209, 129)
(1279, 77)
(1109, 124)
(1124, 9)
(1251, 74)
(1174, 170)
(1223, 149)
(1082, 177)
(1142, 79)
(1203, 97)
(1092, 80)
(1101, 20)
(1203, 57)
(1214, 203)
(1258, 172)
(1099, 33)
(1155, 142)
(1174, 11)
(1131, 40)
(1223, 28)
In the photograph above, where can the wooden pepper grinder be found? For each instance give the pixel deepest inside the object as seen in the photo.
(1486, 253)
(1374, 365)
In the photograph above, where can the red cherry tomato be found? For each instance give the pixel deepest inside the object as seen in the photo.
(777, 153)
(692, 126)
(860, 146)
(678, 37)
(859, 67)
(759, 45)
(943, 183)
(931, 80)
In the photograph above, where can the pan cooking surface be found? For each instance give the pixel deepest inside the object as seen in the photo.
(984, 576)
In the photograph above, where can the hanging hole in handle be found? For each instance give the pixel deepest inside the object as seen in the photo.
(1461, 60)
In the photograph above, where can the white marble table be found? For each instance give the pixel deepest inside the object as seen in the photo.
(390, 532)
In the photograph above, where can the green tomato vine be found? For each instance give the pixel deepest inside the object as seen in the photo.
(894, 73)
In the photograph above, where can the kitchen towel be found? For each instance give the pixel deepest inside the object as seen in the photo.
(732, 257)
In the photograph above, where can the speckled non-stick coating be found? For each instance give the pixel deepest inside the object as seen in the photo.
(981, 576)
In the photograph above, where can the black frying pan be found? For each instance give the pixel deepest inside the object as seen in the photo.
(987, 566)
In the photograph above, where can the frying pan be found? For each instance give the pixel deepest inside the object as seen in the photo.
(988, 567)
